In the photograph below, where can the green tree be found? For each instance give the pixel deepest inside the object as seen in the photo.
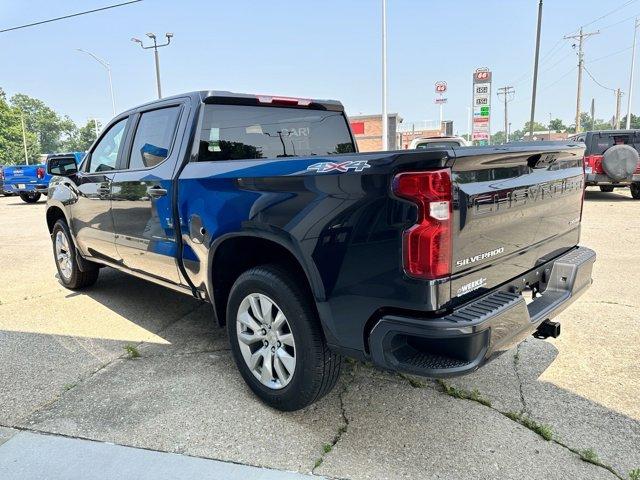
(537, 127)
(80, 139)
(48, 126)
(11, 141)
(635, 121)
(557, 125)
(498, 138)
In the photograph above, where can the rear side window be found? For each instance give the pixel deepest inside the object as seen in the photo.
(235, 132)
(600, 143)
(154, 137)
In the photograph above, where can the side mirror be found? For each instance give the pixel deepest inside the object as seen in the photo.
(62, 166)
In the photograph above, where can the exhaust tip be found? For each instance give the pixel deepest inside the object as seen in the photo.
(548, 329)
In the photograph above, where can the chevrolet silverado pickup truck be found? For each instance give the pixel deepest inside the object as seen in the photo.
(430, 262)
(32, 181)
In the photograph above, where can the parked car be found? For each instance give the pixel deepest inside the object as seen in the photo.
(611, 159)
(32, 181)
(418, 261)
(4, 192)
(437, 142)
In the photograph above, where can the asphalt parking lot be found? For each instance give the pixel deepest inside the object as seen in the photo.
(65, 371)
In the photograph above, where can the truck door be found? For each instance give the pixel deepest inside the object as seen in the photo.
(142, 193)
(91, 213)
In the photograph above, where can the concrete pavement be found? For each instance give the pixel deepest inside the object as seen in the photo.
(65, 371)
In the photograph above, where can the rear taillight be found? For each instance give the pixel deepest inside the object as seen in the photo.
(40, 172)
(427, 244)
(594, 162)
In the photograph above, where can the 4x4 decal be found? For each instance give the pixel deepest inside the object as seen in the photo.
(324, 167)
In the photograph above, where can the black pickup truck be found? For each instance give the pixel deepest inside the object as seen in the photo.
(430, 262)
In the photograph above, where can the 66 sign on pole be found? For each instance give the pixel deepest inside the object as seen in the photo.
(441, 88)
(481, 130)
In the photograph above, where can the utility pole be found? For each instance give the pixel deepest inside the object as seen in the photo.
(581, 36)
(633, 64)
(385, 118)
(508, 93)
(593, 114)
(618, 99)
(549, 126)
(535, 70)
(155, 47)
(24, 140)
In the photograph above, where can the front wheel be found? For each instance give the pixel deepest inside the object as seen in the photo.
(30, 197)
(277, 341)
(635, 190)
(606, 188)
(64, 252)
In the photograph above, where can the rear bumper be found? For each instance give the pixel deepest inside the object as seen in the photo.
(462, 341)
(602, 179)
(27, 187)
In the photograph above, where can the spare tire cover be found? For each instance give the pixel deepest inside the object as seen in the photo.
(620, 161)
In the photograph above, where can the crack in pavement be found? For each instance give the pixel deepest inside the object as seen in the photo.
(554, 440)
(328, 447)
(84, 377)
(516, 360)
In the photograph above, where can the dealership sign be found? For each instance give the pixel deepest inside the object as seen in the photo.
(481, 130)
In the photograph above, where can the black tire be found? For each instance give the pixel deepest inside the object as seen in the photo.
(316, 367)
(635, 190)
(76, 279)
(30, 197)
(606, 188)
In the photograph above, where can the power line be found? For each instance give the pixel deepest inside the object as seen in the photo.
(68, 16)
(596, 81)
(610, 54)
(620, 21)
(629, 2)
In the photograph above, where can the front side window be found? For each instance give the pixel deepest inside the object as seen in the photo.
(105, 155)
(153, 138)
(234, 132)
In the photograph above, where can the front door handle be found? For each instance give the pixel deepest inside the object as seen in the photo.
(156, 192)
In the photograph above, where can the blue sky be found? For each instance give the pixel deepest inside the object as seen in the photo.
(323, 49)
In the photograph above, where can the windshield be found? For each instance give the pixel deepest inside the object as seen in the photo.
(233, 132)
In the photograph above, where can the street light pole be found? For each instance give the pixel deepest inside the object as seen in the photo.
(24, 140)
(385, 118)
(108, 68)
(633, 64)
(155, 47)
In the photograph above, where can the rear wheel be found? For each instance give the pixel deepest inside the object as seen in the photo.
(635, 190)
(30, 197)
(606, 188)
(277, 341)
(64, 252)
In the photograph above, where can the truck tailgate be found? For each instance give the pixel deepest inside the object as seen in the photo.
(512, 211)
(20, 174)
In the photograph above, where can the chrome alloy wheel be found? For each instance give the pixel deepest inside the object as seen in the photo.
(266, 341)
(63, 255)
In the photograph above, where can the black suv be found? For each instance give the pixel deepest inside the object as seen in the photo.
(611, 159)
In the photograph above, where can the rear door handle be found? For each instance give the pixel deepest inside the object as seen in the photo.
(156, 192)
